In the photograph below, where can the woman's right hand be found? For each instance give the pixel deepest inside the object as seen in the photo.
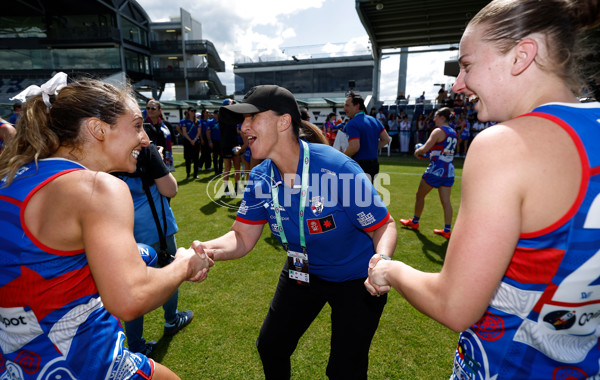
(199, 263)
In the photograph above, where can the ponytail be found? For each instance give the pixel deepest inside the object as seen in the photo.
(43, 129)
(586, 13)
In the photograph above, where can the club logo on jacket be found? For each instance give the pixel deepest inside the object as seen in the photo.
(316, 205)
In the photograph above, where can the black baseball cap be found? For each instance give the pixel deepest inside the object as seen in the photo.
(265, 98)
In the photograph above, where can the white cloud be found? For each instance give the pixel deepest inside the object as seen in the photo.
(266, 27)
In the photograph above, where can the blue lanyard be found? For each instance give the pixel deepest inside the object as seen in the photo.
(303, 191)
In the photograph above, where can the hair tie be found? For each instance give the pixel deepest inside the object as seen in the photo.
(52, 87)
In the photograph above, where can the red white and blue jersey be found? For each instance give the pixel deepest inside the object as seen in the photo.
(544, 319)
(342, 206)
(442, 157)
(53, 324)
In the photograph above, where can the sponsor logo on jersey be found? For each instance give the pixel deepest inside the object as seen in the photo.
(243, 210)
(569, 373)
(490, 327)
(560, 319)
(20, 322)
(365, 220)
(317, 226)
(275, 229)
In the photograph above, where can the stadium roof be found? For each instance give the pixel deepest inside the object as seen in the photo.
(393, 24)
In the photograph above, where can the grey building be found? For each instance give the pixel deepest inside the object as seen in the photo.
(105, 39)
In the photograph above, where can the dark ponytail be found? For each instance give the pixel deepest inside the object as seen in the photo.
(445, 112)
(586, 13)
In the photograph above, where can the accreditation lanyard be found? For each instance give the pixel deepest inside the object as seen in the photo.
(299, 260)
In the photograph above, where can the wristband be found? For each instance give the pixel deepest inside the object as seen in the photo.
(385, 257)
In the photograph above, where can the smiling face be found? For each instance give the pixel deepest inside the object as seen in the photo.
(261, 131)
(484, 76)
(125, 139)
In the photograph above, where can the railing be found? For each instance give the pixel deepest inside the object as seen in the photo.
(87, 33)
(203, 47)
(166, 47)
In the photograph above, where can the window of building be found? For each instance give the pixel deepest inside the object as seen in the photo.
(60, 59)
(136, 62)
(22, 27)
(133, 32)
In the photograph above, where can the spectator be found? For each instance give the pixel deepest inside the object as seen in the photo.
(464, 135)
(525, 247)
(205, 149)
(366, 135)
(158, 132)
(381, 117)
(151, 187)
(404, 134)
(421, 129)
(190, 130)
(421, 99)
(16, 113)
(459, 103)
(440, 172)
(330, 129)
(393, 128)
(174, 137)
(332, 264)
(54, 175)
(213, 134)
(441, 94)
(232, 151)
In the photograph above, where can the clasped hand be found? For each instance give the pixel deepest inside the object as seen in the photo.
(376, 283)
(199, 263)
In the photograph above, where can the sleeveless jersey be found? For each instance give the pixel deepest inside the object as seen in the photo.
(543, 321)
(52, 321)
(442, 155)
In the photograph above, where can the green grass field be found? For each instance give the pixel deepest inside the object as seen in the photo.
(230, 305)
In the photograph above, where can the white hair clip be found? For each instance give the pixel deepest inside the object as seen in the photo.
(52, 87)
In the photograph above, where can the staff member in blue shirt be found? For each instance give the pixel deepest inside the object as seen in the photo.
(192, 142)
(330, 220)
(366, 135)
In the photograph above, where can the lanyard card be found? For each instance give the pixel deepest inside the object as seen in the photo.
(298, 266)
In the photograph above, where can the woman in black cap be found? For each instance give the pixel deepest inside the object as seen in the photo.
(330, 221)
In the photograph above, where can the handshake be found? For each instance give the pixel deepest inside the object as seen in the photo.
(198, 262)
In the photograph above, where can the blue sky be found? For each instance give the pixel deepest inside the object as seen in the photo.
(251, 27)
